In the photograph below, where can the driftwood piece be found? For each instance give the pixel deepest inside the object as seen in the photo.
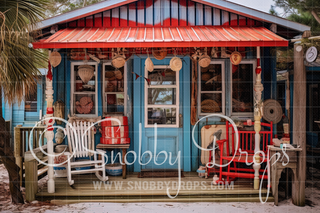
(194, 91)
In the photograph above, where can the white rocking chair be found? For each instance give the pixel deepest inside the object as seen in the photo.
(81, 144)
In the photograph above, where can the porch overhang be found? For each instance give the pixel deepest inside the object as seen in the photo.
(148, 37)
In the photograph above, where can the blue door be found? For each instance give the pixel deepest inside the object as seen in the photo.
(161, 110)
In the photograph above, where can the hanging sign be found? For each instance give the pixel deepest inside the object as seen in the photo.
(235, 58)
(311, 54)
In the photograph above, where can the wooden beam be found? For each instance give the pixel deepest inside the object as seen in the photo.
(31, 180)
(38, 152)
(299, 123)
(17, 151)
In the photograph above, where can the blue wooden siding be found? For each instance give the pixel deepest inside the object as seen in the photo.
(16, 112)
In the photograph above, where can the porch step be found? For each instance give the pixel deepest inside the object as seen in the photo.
(195, 190)
(143, 200)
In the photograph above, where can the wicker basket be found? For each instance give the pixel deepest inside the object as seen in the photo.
(209, 106)
(86, 72)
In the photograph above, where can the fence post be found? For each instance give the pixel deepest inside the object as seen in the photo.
(31, 180)
(18, 151)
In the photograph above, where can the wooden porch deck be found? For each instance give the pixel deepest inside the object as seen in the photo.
(134, 189)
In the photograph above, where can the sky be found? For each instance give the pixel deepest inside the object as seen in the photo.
(263, 5)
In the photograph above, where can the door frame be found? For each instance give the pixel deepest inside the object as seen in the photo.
(184, 101)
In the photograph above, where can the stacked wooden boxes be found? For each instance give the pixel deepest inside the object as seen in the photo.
(115, 130)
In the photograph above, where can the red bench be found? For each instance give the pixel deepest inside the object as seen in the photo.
(238, 168)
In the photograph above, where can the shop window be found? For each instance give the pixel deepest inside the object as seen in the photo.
(34, 101)
(84, 97)
(31, 101)
(242, 84)
(114, 90)
(212, 88)
(162, 97)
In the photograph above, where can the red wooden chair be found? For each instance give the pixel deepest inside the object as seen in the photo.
(238, 168)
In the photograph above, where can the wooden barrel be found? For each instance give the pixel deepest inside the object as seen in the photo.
(115, 140)
(115, 132)
(122, 119)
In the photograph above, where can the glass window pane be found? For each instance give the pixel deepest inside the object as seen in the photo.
(242, 88)
(162, 96)
(84, 104)
(114, 103)
(211, 102)
(162, 77)
(80, 86)
(31, 101)
(162, 116)
(114, 81)
(211, 78)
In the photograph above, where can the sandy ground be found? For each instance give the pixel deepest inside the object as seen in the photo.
(312, 203)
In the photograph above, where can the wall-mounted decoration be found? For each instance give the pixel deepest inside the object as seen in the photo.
(176, 64)
(204, 60)
(149, 64)
(138, 76)
(55, 58)
(214, 52)
(86, 72)
(59, 136)
(159, 53)
(209, 106)
(235, 58)
(224, 53)
(58, 110)
(78, 55)
(93, 57)
(118, 59)
(272, 111)
(311, 54)
(85, 105)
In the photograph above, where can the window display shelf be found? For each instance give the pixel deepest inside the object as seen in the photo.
(114, 90)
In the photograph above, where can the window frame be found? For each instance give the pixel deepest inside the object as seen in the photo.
(104, 93)
(223, 89)
(146, 105)
(34, 116)
(254, 65)
(73, 85)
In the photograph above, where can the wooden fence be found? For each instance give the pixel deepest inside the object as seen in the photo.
(25, 139)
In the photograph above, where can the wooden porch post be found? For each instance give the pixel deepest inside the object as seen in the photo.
(258, 88)
(49, 133)
(299, 123)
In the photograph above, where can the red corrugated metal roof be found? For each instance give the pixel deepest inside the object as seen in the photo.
(132, 37)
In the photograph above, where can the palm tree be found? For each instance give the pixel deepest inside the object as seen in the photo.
(19, 64)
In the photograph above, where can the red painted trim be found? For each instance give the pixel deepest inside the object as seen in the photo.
(37, 45)
(98, 11)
